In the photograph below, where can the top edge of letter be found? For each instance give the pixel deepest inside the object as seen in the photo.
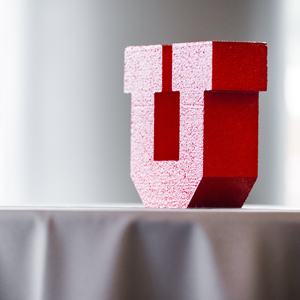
(234, 66)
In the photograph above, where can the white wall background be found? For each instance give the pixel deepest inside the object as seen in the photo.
(12, 100)
(65, 121)
(292, 101)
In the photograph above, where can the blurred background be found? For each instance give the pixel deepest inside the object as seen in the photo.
(65, 121)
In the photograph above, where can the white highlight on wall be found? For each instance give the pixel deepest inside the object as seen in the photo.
(12, 49)
(292, 102)
(291, 90)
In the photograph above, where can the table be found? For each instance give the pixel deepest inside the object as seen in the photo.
(137, 253)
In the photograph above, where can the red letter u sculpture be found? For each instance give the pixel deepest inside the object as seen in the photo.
(194, 121)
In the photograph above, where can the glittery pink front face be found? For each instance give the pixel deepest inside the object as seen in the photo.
(168, 106)
(168, 183)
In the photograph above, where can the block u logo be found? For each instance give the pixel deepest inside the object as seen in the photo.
(194, 121)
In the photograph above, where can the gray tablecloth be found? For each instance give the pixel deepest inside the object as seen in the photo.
(152, 254)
